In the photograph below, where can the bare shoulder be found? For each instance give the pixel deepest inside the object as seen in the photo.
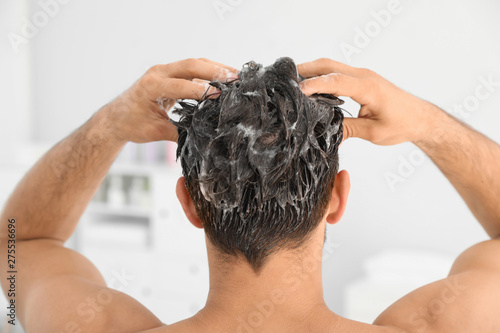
(62, 291)
(466, 301)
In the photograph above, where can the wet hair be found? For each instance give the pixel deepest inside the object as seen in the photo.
(260, 160)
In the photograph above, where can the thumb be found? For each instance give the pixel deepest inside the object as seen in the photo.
(165, 131)
(357, 128)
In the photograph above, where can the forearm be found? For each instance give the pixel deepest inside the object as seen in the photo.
(471, 162)
(52, 196)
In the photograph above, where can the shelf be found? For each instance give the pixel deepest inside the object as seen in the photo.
(145, 169)
(97, 208)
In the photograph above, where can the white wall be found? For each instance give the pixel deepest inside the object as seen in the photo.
(15, 80)
(92, 50)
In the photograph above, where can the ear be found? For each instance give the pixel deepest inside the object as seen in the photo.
(338, 201)
(187, 204)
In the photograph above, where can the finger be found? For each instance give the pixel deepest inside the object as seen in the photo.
(213, 92)
(232, 69)
(325, 66)
(338, 85)
(159, 129)
(168, 131)
(358, 128)
(196, 69)
(201, 81)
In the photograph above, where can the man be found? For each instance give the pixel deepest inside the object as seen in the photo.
(47, 204)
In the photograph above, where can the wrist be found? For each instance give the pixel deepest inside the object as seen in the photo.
(105, 127)
(436, 126)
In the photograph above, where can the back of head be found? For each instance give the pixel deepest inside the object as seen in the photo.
(260, 160)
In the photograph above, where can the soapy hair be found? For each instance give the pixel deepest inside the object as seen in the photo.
(260, 160)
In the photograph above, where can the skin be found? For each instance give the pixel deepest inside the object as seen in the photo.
(53, 281)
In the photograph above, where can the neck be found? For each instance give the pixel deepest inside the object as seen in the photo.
(288, 288)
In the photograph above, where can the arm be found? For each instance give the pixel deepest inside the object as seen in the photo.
(50, 199)
(471, 163)
(467, 300)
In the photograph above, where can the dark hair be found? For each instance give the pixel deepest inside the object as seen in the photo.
(260, 160)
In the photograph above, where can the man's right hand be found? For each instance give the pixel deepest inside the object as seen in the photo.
(388, 114)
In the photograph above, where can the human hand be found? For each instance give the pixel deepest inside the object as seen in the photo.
(140, 113)
(388, 115)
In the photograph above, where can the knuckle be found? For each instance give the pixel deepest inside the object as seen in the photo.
(153, 69)
(189, 66)
(190, 62)
(366, 72)
(148, 80)
(323, 61)
(337, 78)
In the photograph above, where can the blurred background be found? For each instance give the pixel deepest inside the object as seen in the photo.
(61, 60)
